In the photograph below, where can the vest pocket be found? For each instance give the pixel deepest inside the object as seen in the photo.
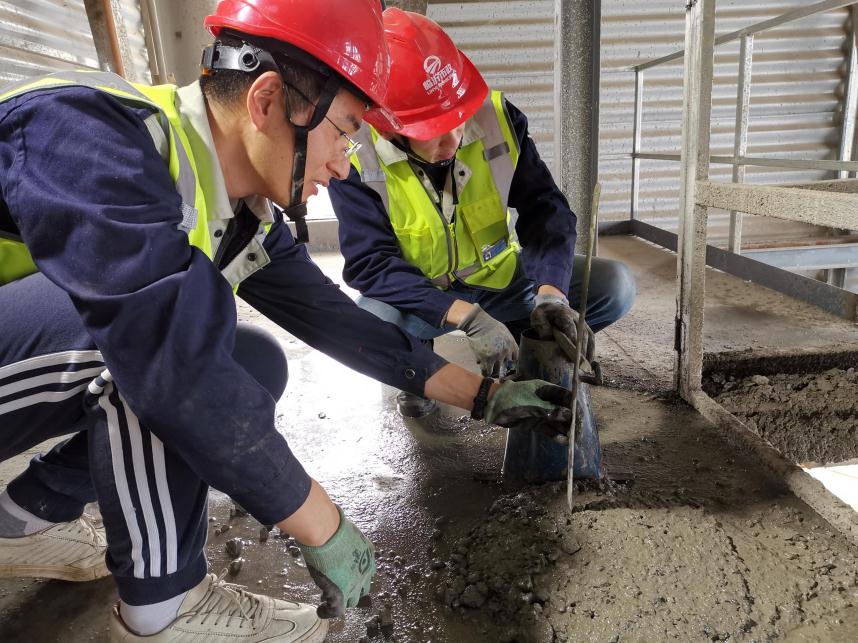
(486, 224)
(420, 248)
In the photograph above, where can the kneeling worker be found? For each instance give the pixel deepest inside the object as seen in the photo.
(423, 215)
(129, 215)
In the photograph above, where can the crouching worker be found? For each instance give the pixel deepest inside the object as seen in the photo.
(423, 215)
(128, 216)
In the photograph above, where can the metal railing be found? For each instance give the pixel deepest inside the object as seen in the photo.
(828, 205)
(740, 160)
(831, 203)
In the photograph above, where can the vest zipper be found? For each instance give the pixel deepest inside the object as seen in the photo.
(444, 222)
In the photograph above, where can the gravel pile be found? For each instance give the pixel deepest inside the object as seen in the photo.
(810, 418)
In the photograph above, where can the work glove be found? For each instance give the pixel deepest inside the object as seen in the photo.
(491, 341)
(531, 404)
(552, 315)
(343, 568)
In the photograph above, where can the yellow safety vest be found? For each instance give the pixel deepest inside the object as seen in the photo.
(170, 140)
(477, 247)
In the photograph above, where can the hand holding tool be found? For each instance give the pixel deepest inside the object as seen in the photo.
(531, 404)
(491, 341)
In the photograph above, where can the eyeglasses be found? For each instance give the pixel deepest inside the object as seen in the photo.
(353, 145)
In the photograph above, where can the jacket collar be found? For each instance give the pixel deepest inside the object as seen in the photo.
(191, 105)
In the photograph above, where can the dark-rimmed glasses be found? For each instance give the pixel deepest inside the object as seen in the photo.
(353, 147)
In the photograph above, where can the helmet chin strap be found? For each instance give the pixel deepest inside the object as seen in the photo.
(296, 211)
(249, 58)
(297, 208)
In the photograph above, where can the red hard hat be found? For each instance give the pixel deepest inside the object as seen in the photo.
(346, 35)
(433, 86)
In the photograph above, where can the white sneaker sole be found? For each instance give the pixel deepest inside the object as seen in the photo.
(58, 572)
(317, 634)
(118, 632)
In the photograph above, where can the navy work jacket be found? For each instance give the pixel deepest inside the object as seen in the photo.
(83, 183)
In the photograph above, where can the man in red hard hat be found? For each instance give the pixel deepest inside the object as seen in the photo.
(423, 215)
(129, 216)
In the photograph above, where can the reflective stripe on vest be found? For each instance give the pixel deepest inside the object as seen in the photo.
(477, 247)
(169, 138)
(15, 259)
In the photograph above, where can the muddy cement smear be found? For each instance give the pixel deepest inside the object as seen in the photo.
(810, 417)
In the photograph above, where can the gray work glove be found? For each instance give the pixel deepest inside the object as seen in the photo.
(342, 568)
(491, 341)
(552, 313)
(531, 404)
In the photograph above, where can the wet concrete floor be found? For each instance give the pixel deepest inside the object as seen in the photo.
(702, 546)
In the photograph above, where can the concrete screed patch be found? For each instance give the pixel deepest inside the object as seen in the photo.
(702, 546)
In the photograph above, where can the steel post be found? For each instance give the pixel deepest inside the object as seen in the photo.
(837, 276)
(691, 255)
(576, 105)
(636, 145)
(740, 139)
(154, 43)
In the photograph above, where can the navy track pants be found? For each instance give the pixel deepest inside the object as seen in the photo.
(152, 503)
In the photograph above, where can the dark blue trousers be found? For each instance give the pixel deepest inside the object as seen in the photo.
(153, 504)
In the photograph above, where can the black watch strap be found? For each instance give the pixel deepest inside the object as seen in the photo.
(479, 410)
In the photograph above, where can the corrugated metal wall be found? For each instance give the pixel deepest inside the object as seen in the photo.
(37, 36)
(512, 43)
(798, 78)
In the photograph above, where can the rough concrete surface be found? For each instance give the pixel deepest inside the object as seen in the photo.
(810, 418)
(702, 545)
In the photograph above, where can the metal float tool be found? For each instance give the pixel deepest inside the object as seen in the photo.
(576, 362)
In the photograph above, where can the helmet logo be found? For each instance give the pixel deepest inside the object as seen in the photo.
(432, 64)
(437, 75)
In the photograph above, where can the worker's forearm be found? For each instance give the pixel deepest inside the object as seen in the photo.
(315, 521)
(454, 385)
(457, 312)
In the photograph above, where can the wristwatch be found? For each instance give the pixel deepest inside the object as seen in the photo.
(479, 410)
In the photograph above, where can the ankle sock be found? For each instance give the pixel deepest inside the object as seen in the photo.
(16, 522)
(146, 620)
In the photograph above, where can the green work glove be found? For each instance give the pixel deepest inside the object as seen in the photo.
(342, 568)
(552, 313)
(493, 345)
(531, 404)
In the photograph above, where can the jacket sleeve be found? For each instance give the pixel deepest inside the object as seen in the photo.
(374, 263)
(294, 293)
(546, 224)
(97, 208)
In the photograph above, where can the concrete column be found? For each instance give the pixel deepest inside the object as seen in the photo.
(576, 105)
(418, 6)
